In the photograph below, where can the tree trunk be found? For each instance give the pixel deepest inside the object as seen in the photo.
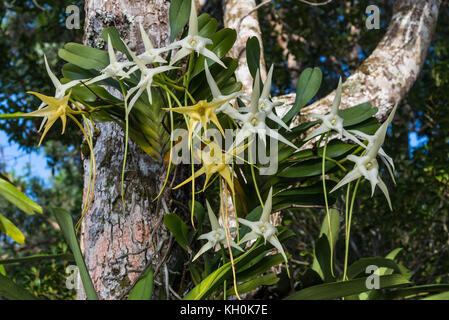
(242, 17)
(119, 243)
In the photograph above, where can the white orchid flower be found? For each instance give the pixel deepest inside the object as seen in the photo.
(217, 235)
(367, 165)
(226, 107)
(332, 121)
(266, 105)
(151, 55)
(146, 79)
(114, 68)
(375, 138)
(254, 120)
(263, 227)
(193, 42)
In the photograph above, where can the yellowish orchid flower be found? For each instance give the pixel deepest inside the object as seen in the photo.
(56, 108)
(202, 113)
(215, 160)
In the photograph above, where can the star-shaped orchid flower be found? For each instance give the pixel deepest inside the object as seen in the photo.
(214, 237)
(214, 160)
(202, 112)
(115, 68)
(332, 121)
(193, 42)
(367, 165)
(151, 55)
(254, 120)
(226, 107)
(55, 108)
(266, 105)
(387, 160)
(263, 227)
(146, 79)
(60, 89)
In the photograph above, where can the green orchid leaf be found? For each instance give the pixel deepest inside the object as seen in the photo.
(143, 289)
(84, 56)
(335, 290)
(178, 228)
(266, 280)
(308, 84)
(253, 55)
(223, 41)
(178, 16)
(66, 223)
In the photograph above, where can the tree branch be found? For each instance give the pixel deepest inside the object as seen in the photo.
(387, 75)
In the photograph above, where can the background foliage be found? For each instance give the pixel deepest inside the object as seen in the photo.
(296, 36)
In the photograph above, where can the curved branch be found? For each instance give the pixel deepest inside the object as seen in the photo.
(386, 76)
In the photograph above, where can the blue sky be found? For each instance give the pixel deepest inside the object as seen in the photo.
(18, 161)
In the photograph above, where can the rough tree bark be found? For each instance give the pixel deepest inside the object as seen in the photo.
(119, 243)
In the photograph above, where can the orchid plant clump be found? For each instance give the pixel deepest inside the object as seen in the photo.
(190, 84)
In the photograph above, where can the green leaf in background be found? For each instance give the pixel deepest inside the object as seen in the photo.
(2, 270)
(359, 267)
(439, 296)
(308, 84)
(11, 230)
(143, 289)
(340, 289)
(253, 55)
(178, 16)
(17, 198)
(357, 114)
(327, 240)
(39, 257)
(66, 223)
(178, 228)
(12, 291)
(416, 291)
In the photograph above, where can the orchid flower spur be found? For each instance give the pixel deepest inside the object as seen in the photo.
(146, 79)
(55, 108)
(193, 42)
(114, 68)
(266, 105)
(367, 165)
(254, 120)
(263, 227)
(226, 107)
(214, 160)
(217, 235)
(332, 121)
(151, 55)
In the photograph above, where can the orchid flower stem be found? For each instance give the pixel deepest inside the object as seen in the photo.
(88, 140)
(254, 178)
(326, 202)
(337, 163)
(126, 142)
(228, 235)
(234, 202)
(348, 227)
(171, 148)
